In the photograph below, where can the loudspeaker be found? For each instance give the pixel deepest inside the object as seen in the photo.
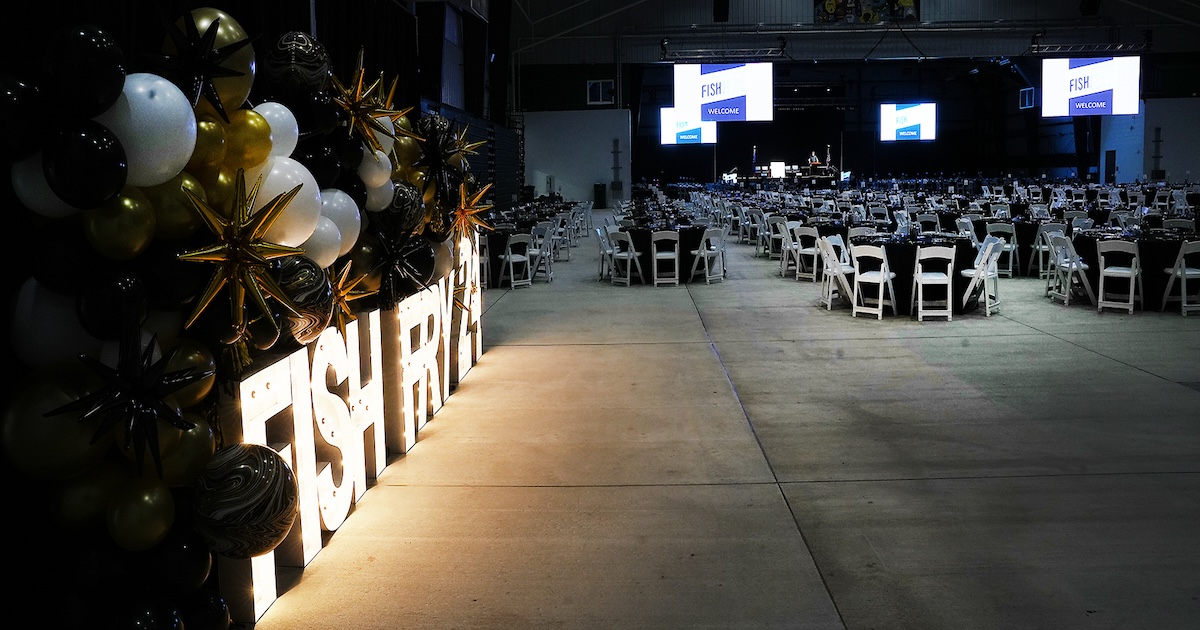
(720, 10)
(1089, 7)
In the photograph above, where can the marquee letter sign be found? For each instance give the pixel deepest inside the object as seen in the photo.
(336, 409)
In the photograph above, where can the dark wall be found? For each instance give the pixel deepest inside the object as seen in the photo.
(981, 128)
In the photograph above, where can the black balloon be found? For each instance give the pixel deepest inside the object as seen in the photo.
(216, 323)
(315, 113)
(84, 163)
(172, 284)
(147, 614)
(407, 204)
(352, 184)
(62, 255)
(20, 110)
(206, 610)
(350, 150)
(310, 290)
(109, 299)
(264, 330)
(317, 155)
(84, 71)
(296, 64)
(177, 567)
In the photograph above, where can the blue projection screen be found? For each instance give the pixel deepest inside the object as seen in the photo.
(723, 92)
(907, 121)
(1096, 86)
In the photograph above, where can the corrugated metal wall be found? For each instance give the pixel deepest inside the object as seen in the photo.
(630, 31)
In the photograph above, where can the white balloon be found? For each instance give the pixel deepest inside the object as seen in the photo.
(340, 208)
(285, 131)
(325, 244)
(375, 168)
(380, 197)
(386, 140)
(156, 125)
(32, 189)
(46, 327)
(299, 219)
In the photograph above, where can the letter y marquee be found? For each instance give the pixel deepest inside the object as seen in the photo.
(337, 409)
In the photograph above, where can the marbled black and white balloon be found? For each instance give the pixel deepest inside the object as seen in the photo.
(246, 500)
(310, 290)
(297, 63)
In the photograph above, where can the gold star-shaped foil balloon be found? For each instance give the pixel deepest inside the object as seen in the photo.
(462, 146)
(461, 290)
(364, 106)
(465, 218)
(241, 254)
(343, 294)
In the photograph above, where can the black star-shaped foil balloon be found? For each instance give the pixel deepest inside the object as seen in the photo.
(405, 260)
(197, 61)
(344, 294)
(133, 394)
(441, 145)
(241, 255)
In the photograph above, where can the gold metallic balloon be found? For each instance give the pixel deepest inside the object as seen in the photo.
(219, 190)
(122, 228)
(140, 513)
(416, 177)
(402, 123)
(174, 216)
(210, 145)
(247, 139)
(367, 257)
(459, 163)
(231, 90)
(406, 150)
(55, 446)
(191, 354)
(183, 465)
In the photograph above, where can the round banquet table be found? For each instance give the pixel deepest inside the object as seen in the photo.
(1157, 248)
(1026, 231)
(689, 240)
(901, 253)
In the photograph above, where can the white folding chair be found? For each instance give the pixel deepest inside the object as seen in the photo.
(1042, 249)
(806, 237)
(606, 253)
(626, 259)
(934, 267)
(517, 266)
(1184, 270)
(1119, 259)
(1070, 272)
(835, 267)
(871, 269)
(665, 246)
(984, 276)
(1009, 251)
(709, 256)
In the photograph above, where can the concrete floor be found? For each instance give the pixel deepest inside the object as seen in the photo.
(736, 456)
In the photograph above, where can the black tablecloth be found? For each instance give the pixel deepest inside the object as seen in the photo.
(1157, 249)
(497, 240)
(689, 240)
(902, 257)
(1026, 232)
